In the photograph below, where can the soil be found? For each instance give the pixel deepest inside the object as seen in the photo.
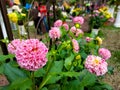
(112, 42)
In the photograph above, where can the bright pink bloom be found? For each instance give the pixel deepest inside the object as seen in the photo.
(78, 19)
(96, 65)
(105, 53)
(66, 26)
(58, 23)
(31, 54)
(88, 39)
(75, 45)
(73, 29)
(78, 32)
(54, 33)
(13, 45)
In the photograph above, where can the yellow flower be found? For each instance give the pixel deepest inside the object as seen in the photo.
(22, 14)
(99, 40)
(77, 25)
(78, 57)
(13, 17)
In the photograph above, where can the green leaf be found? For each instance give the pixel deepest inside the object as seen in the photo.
(83, 54)
(57, 67)
(100, 86)
(72, 85)
(86, 78)
(53, 79)
(44, 88)
(68, 61)
(1, 69)
(54, 87)
(53, 73)
(70, 74)
(12, 72)
(21, 84)
(4, 57)
(39, 73)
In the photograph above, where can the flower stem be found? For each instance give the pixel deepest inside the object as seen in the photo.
(33, 80)
(47, 76)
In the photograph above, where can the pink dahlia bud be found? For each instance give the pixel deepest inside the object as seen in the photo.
(31, 54)
(88, 39)
(13, 45)
(96, 65)
(73, 29)
(78, 32)
(54, 33)
(58, 23)
(75, 45)
(78, 19)
(65, 25)
(105, 53)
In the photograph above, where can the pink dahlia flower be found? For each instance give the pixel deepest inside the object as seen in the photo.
(78, 32)
(73, 29)
(78, 19)
(88, 39)
(105, 53)
(65, 25)
(96, 65)
(58, 23)
(54, 33)
(13, 45)
(31, 54)
(75, 45)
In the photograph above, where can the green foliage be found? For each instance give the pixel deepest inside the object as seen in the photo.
(68, 62)
(3, 58)
(21, 84)
(12, 72)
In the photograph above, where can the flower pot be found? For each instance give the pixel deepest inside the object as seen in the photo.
(21, 28)
(117, 21)
(95, 31)
(111, 10)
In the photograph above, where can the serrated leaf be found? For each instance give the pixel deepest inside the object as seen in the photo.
(39, 73)
(13, 73)
(68, 61)
(72, 85)
(4, 57)
(56, 67)
(21, 84)
(53, 79)
(70, 74)
(44, 88)
(103, 86)
(86, 78)
(1, 69)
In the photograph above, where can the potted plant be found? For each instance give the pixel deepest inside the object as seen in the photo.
(96, 21)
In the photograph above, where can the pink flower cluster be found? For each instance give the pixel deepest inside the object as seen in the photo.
(96, 65)
(31, 54)
(76, 31)
(88, 39)
(105, 53)
(66, 26)
(54, 33)
(75, 45)
(78, 19)
(13, 45)
(58, 23)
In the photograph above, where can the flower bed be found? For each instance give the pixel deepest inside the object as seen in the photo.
(72, 61)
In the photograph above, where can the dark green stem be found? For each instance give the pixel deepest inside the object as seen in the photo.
(33, 80)
(47, 76)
